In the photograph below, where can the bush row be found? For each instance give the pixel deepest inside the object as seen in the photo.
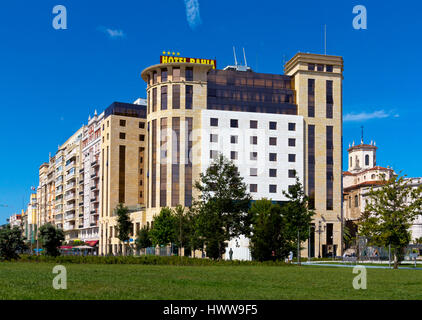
(145, 260)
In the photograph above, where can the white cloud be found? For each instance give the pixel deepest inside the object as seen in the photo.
(112, 33)
(192, 13)
(364, 116)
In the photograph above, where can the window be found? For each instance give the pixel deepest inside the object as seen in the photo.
(273, 173)
(141, 137)
(254, 140)
(141, 125)
(176, 74)
(329, 168)
(373, 176)
(273, 188)
(292, 173)
(292, 126)
(330, 68)
(122, 135)
(154, 99)
(253, 172)
(213, 138)
(273, 156)
(122, 175)
(356, 201)
(311, 67)
(234, 123)
(213, 154)
(189, 74)
(292, 158)
(320, 67)
(273, 125)
(254, 155)
(123, 123)
(329, 99)
(292, 142)
(233, 155)
(163, 75)
(176, 96)
(154, 77)
(189, 97)
(273, 141)
(253, 188)
(233, 139)
(311, 98)
(175, 159)
(253, 124)
(367, 160)
(164, 98)
(214, 122)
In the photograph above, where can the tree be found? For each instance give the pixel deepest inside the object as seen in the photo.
(297, 216)
(222, 205)
(267, 240)
(124, 225)
(51, 238)
(11, 243)
(163, 231)
(389, 214)
(181, 227)
(193, 235)
(143, 239)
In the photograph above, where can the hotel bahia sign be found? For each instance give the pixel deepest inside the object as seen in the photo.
(171, 59)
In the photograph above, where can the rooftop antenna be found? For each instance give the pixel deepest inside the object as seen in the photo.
(325, 39)
(234, 53)
(362, 136)
(244, 56)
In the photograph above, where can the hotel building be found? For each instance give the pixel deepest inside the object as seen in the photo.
(148, 155)
(272, 126)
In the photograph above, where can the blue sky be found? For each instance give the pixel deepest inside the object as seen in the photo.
(51, 80)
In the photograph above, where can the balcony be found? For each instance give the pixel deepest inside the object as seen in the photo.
(70, 196)
(94, 211)
(70, 207)
(81, 215)
(94, 187)
(71, 155)
(81, 170)
(58, 210)
(94, 174)
(70, 186)
(81, 192)
(69, 227)
(81, 181)
(70, 165)
(94, 163)
(70, 216)
(58, 217)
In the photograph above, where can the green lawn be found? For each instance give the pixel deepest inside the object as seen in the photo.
(19, 280)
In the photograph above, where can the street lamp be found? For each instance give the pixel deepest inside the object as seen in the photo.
(320, 230)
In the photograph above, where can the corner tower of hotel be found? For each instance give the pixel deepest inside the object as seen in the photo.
(317, 80)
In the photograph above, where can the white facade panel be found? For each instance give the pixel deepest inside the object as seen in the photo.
(223, 133)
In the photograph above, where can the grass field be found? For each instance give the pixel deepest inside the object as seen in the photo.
(20, 280)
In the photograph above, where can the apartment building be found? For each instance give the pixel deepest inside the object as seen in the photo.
(89, 181)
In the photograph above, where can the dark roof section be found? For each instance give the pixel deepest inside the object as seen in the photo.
(362, 146)
(126, 110)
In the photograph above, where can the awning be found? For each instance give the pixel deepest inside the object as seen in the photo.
(66, 247)
(92, 243)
